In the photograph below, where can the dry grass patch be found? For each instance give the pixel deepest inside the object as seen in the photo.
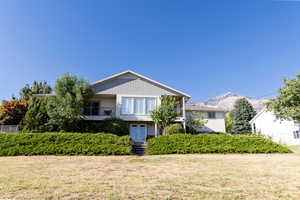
(151, 177)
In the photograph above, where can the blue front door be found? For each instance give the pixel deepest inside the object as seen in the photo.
(138, 132)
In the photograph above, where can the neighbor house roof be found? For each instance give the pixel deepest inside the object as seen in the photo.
(42, 95)
(257, 115)
(142, 77)
(197, 107)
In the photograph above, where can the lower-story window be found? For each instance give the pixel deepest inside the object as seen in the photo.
(296, 135)
(91, 108)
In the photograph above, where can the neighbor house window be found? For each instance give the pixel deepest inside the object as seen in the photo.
(211, 115)
(296, 134)
(91, 108)
(137, 105)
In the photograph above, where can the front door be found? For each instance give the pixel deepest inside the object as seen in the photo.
(138, 132)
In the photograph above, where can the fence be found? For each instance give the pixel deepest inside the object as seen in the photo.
(9, 128)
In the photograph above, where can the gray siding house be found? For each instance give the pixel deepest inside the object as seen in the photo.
(131, 97)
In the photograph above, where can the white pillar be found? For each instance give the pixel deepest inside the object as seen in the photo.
(155, 130)
(183, 114)
(118, 106)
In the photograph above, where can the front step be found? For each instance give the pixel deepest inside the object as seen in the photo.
(139, 148)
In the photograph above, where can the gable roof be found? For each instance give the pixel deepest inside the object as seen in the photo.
(257, 115)
(142, 77)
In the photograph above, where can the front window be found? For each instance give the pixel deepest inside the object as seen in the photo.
(138, 105)
(91, 108)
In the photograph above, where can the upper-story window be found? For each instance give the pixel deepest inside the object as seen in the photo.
(91, 108)
(137, 105)
(211, 115)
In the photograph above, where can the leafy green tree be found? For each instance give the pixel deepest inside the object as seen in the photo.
(12, 112)
(194, 121)
(65, 108)
(242, 114)
(165, 114)
(174, 129)
(36, 118)
(287, 104)
(229, 122)
(36, 88)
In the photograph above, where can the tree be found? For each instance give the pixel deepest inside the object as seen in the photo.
(165, 114)
(12, 112)
(229, 122)
(242, 114)
(36, 118)
(36, 88)
(194, 121)
(287, 104)
(65, 108)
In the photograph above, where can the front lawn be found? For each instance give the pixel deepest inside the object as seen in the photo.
(201, 176)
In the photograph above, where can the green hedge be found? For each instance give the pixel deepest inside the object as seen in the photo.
(213, 143)
(13, 144)
(110, 125)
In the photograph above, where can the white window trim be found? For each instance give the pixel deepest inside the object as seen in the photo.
(134, 100)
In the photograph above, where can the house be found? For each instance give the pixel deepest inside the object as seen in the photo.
(131, 97)
(214, 117)
(283, 131)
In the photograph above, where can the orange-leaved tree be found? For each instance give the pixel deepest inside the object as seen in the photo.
(12, 112)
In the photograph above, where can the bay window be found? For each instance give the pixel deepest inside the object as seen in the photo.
(137, 105)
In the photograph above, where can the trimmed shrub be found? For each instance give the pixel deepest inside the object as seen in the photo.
(116, 126)
(14, 144)
(213, 143)
(173, 129)
(110, 125)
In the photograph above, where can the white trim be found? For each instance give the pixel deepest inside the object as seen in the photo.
(141, 76)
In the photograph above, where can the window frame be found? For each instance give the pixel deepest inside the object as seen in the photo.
(91, 106)
(214, 114)
(135, 108)
(296, 135)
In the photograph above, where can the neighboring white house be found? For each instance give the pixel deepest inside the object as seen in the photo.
(213, 117)
(282, 131)
(131, 96)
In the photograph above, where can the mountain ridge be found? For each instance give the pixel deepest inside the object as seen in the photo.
(227, 100)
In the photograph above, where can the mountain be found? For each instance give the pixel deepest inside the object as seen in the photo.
(227, 101)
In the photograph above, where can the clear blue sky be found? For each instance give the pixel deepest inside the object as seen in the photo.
(203, 48)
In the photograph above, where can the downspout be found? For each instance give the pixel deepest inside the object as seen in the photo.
(183, 114)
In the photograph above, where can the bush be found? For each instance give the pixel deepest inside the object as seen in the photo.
(213, 143)
(110, 125)
(173, 128)
(116, 126)
(13, 144)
